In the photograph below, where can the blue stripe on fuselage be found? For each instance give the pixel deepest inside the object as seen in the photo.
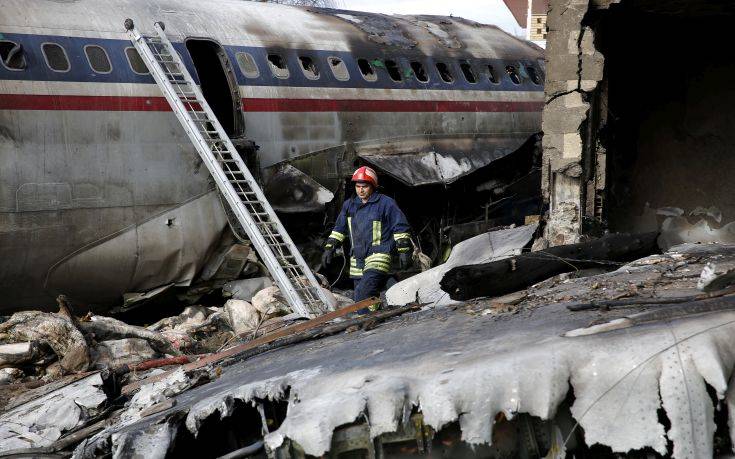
(80, 70)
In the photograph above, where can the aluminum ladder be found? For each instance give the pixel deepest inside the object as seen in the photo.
(245, 198)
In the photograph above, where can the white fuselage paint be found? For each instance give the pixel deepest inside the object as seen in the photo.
(98, 201)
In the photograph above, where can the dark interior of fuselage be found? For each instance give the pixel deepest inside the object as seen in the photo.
(209, 60)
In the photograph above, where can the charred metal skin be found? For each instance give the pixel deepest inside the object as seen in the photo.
(101, 192)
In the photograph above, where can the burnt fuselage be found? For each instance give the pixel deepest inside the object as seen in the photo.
(101, 192)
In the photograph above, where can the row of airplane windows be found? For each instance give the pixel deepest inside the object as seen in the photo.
(13, 58)
(416, 69)
(55, 56)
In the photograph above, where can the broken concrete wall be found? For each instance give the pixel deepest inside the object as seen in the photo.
(573, 69)
(636, 116)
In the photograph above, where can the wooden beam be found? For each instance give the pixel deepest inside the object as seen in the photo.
(234, 351)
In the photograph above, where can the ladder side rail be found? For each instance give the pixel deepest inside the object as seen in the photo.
(214, 168)
(249, 177)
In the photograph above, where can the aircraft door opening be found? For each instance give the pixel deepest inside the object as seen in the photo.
(218, 83)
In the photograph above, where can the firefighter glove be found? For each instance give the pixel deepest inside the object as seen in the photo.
(404, 248)
(329, 248)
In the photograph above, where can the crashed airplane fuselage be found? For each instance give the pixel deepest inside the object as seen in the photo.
(101, 193)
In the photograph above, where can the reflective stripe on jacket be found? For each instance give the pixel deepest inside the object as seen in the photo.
(373, 228)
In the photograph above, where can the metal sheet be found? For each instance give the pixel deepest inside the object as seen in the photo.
(426, 162)
(290, 190)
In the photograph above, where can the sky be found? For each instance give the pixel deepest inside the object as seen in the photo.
(485, 11)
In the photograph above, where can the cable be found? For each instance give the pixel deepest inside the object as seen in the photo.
(344, 263)
(246, 451)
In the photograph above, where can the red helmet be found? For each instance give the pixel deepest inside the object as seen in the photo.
(365, 174)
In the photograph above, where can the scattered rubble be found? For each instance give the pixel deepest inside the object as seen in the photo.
(105, 328)
(242, 316)
(52, 330)
(552, 378)
(10, 375)
(42, 421)
(244, 289)
(115, 353)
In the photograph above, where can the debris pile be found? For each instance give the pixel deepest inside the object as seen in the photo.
(574, 353)
(556, 379)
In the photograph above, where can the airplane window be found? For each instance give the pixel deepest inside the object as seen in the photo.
(247, 65)
(513, 74)
(12, 55)
(491, 74)
(419, 71)
(469, 74)
(533, 74)
(278, 66)
(444, 72)
(97, 58)
(393, 70)
(55, 57)
(339, 69)
(136, 62)
(308, 66)
(367, 70)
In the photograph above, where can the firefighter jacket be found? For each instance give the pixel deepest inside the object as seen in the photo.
(374, 228)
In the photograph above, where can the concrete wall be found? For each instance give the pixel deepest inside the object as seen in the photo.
(573, 71)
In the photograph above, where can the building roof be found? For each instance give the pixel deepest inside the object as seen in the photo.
(519, 9)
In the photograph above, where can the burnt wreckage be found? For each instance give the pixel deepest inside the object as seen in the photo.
(604, 329)
(106, 184)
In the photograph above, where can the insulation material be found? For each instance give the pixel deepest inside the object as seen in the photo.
(42, 421)
(114, 353)
(241, 316)
(53, 330)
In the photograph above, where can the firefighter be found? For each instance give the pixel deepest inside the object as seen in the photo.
(376, 226)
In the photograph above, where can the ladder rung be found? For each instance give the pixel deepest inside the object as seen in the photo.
(290, 266)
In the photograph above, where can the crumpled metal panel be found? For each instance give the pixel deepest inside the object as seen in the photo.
(426, 162)
(170, 248)
(42, 421)
(290, 190)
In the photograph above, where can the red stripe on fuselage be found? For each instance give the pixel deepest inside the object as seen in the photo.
(134, 103)
(87, 103)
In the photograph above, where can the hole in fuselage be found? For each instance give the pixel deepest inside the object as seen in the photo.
(215, 85)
